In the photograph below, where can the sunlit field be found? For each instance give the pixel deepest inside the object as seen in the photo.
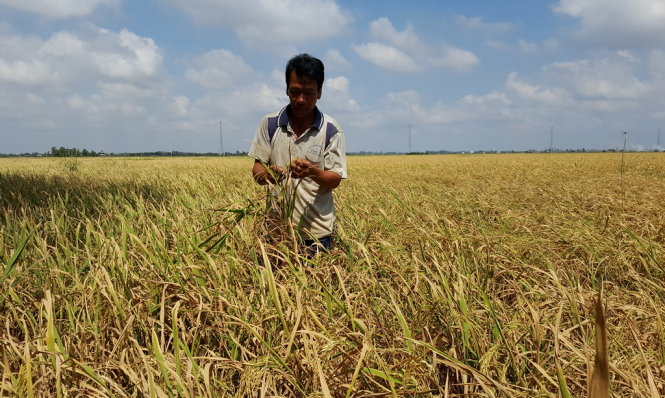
(452, 275)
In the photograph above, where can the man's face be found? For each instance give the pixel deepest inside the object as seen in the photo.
(303, 94)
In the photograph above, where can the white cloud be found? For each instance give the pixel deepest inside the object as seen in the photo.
(268, 23)
(81, 83)
(478, 23)
(217, 69)
(62, 44)
(526, 91)
(126, 109)
(398, 51)
(73, 58)
(400, 108)
(30, 73)
(336, 95)
(618, 23)
(454, 58)
(59, 8)
(383, 29)
(335, 60)
(16, 46)
(606, 78)
(493, 97)
(340, 83)
(125, 90)
(386, 57)
(249, 101)
(180, 105)
(76, 103)
(131, 56)
(404, 105)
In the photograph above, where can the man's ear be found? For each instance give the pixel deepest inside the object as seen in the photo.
(320, 92)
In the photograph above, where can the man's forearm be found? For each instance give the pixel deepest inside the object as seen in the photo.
(326, 178)
(264, 176)
(301, 168)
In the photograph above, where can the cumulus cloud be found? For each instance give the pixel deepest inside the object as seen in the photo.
(127, 56)
(534, 93)
(605, 78)
(67, 57)
(383, 29)
(63, 44)
(618, 23)
(57, 9)
(404, 105)
(125, 90)
(398, 51)
(454, 58)
(337, 96)
(217, 69)
(180, 105)
(340, 84)
(268, 23)
(386, 57)
(408, 105)
(77, 82)
(32, 72)
(335, 60)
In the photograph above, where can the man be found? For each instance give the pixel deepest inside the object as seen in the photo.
(308, 144)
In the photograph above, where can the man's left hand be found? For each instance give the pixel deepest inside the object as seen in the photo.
(301, 168)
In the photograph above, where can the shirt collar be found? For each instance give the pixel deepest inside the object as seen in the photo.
(283, 118)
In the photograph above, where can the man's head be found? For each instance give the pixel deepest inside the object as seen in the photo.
(306, 67)
(304, 81)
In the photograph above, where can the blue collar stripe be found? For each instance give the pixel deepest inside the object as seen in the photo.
(283, 118)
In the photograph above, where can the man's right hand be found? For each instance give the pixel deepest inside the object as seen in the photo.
(277, 170)
(263, 176)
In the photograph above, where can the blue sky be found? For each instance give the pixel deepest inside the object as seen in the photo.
(129, 76)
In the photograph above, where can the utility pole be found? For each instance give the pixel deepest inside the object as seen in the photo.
(221, 140)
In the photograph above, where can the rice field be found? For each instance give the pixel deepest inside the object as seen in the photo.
(451, 276)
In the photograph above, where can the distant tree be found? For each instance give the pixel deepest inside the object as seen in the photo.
(70, 152)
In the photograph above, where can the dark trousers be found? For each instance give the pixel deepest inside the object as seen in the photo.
(314, 246)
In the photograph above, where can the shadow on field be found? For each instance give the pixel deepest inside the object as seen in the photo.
(81, 196)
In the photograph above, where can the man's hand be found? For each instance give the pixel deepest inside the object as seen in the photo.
(263, 176)
(301, 168)
(278, 171)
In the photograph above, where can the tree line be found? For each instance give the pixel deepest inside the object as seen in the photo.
(63, 152)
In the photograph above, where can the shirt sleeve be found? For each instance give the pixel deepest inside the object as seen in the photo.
(260, 149)
(335, 155)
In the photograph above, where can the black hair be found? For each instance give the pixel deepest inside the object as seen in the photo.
(307, 67)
